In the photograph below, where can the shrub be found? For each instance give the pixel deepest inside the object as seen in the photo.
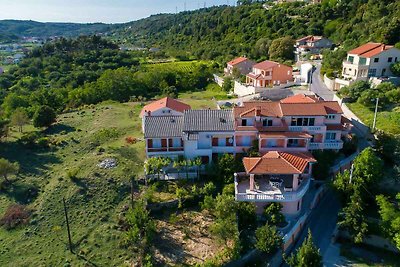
(73, 174)
(274, 215)
(268, 239)
(130, 140)
(14, 216)
(44, 116)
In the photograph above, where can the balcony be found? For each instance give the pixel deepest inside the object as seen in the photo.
(267, 193)
(165, 149)
(306, 128)
(335, 144)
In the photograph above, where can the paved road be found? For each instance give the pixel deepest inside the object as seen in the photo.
(322, 223)
(318, 86)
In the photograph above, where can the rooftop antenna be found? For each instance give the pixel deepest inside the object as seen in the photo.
(176, 10)
(184, 5)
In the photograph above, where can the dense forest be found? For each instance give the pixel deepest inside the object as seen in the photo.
(13, 30)
(226, 31)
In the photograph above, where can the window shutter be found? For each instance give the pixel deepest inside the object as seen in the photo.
(163, 142)
(150, 143)
(215, 141)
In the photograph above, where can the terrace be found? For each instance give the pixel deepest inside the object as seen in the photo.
(271, 188)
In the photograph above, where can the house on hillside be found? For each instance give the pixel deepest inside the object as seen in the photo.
(283, 132)
(311, 45)
(166, 106)
(371, 60)
(242, 64)
(282, 177)
(269, 73)
(295, 124)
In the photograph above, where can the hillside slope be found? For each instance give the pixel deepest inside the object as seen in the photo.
(11, 30)
(229, 31)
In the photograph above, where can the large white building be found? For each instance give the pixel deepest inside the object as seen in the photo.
(284, 132)
(371, 60)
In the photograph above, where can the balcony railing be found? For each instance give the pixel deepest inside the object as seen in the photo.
(274, 197)
(164, 149)
(305, 128)
(328, 145)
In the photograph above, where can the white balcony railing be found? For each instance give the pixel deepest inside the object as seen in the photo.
(333, 145)
(305, 128)
(274, 197)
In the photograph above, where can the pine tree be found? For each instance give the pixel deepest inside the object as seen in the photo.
(307, 255)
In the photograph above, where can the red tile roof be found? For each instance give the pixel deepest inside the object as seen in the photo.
(165, 102)
(310, 38)
(370, 49)
(265, 65)
(275, 162)
(237, 61)
(295, 106)
(301, 98)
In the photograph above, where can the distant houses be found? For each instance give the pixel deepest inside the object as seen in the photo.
(311, 45)
(242, 64)
(268, 74)
(369, 61)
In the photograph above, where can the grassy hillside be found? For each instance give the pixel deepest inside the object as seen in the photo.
(96, 197)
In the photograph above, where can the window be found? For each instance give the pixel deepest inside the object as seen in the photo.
(156, 143)
(267, 122)
(395, 59)
(303, 122)
(176, 142)
(390, 59)
(371, 72)
(293, 142)
(376, 60)
(244, 122)
(330, 136)
(330, 117)
(363, 61)
(351, 59)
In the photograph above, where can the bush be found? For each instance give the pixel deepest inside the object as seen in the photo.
(130, 140)
(73, 174)
(274, 215)
(325, 160)
(268, 239)
(14, 216)
(29, 139)
(44, 117)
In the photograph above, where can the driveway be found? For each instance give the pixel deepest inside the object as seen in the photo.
(318, 86)
(322, 223)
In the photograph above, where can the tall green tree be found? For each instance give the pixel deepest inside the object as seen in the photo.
(19, 118)
(7, 168)
(390, 215)
(281, 49)
(308, 255)
(268, 239)
(44, 117)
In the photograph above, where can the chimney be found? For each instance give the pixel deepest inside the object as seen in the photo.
(148, 113)
(383, 47)
(258, 111)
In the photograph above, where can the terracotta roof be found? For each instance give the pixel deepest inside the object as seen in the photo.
(294, 106)
(264, 65)
(266, 109)
(254, 76)
(311, 109)
(275, 162)
(237, 61)
(301, 98)
(165, 102)
(285, 135)
(370, 49)
(310, 38)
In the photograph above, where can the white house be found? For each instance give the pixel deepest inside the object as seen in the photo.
(371, 60)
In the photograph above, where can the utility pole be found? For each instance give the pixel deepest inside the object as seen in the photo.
(68, 230)
(184, 5)
(351, 173)
(132, 191)
(376, 113)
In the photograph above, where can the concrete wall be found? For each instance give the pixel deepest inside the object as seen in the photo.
(218, 80)
(329, 83)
